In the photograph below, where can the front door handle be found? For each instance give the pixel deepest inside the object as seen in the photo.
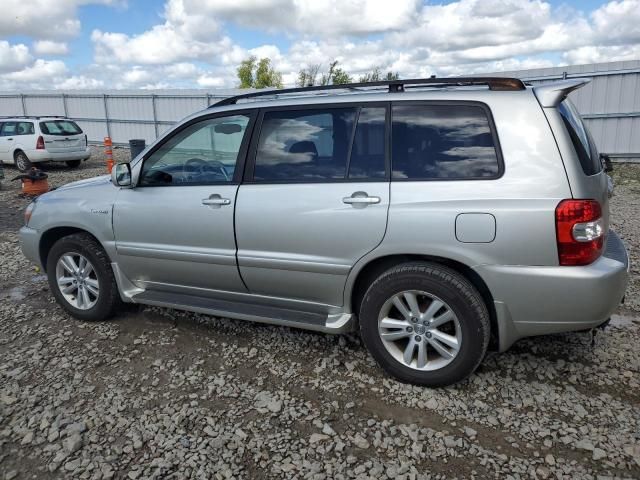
(215, 201)
(360, 199)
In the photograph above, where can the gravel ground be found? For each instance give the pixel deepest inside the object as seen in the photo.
(158, 393)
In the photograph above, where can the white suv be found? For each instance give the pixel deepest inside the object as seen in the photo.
(28, 140)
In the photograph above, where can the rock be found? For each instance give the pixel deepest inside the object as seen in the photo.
(72, 465)
(10, 475)
(73, 443)
(360, 442)
(585, 444)
(599, 454)
(549, 459)
(450, 441)
(431, 404)
(27, 439)
(470, 432)
(274, 406)
(327, 430)
(317, 437)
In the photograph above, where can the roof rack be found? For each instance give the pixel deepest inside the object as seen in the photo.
(33, 117)
(494, 83)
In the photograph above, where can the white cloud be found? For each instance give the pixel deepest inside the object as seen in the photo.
(181, 37)
(49, 47)
(48, 19)
(13, 57)
(188, 46)
(327, 17)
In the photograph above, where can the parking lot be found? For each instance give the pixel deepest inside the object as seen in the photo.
(157, 393)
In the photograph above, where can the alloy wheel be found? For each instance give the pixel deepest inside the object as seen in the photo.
(77, 280)
(419, 330)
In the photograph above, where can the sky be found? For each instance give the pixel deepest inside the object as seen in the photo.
(151, 44)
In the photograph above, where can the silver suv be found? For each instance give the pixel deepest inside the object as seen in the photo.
(440, 217)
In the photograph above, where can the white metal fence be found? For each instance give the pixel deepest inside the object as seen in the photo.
(610, 104)
(117, 114)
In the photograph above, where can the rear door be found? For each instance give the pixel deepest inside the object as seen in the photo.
(314, 200)
(62, 136)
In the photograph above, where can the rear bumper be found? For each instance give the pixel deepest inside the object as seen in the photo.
(542, 300)
(47, 156)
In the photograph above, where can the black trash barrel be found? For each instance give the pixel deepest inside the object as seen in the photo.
(136, 146)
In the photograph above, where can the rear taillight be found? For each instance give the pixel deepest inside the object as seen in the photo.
(579, 231)
(40, 143)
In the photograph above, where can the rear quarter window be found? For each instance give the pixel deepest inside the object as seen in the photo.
(581, 139)
(443, 142)
(60, 127)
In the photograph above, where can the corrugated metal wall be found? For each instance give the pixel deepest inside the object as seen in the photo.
(610, 104)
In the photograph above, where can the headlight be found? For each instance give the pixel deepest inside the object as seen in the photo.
(28, 212)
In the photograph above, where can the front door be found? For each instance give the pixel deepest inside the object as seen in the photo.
(315, 200)
(174, 229)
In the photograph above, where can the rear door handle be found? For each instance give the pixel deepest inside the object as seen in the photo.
(215, 200)
(361, 199)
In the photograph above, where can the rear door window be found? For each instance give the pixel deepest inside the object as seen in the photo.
(60, 127)
(443, 142)
(310, 145)
(368, 151)
(581, 139)
(24, 128)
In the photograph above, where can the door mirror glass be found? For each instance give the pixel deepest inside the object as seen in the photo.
(121, 175)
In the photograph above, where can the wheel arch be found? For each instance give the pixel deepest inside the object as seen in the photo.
(51, 236)
(375, 267)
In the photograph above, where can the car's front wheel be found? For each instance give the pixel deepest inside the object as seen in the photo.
(425, 323)
(81, 278)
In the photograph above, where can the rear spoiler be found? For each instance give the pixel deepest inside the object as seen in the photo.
(551, 94)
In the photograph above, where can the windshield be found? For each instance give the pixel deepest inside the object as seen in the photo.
(581, 138)
(60, 127)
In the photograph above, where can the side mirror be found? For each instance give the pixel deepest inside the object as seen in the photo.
(121, 175)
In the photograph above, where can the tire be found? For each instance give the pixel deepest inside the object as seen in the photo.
(21, 161)
(98, 307)
(467, 329)
(73, 163)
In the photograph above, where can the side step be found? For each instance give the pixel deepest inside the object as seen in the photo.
(247, 311)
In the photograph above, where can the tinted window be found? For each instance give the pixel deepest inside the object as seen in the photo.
(8, 128)
(442, 141)
(205, 152)
(307, 145)
(581, 138)
(60, 127)
(368, 152)
(24, 128)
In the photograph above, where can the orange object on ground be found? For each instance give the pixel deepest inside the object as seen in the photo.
(108, 152)
(34, 182)
(34, 187)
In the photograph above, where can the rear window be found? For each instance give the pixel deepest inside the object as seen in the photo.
(581, 139)
(445, 142)
(60, 127)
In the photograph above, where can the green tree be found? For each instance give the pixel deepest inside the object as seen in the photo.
(376, 75)
(254, 73)
(310, 76)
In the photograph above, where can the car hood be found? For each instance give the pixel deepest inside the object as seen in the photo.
(86, 183)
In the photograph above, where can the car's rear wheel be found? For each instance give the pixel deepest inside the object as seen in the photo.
(22, 161)
(81, 278)
(73, 163)
(425, 323)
